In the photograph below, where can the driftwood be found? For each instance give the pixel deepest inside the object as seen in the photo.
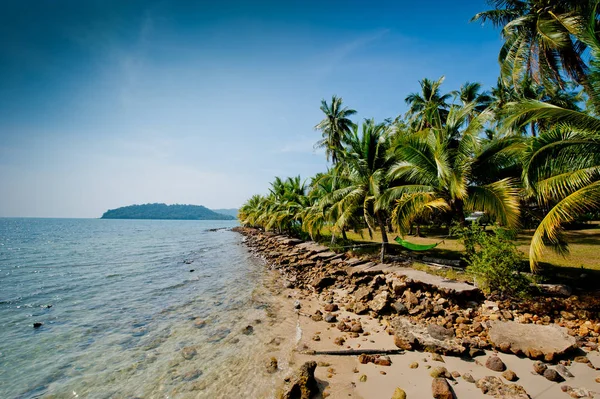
(355, 352)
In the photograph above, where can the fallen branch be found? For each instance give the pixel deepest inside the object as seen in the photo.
(355, 352)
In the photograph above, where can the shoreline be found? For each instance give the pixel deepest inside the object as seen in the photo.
(350, 309)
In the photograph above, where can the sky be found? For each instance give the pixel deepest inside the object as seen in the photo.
(107, 103)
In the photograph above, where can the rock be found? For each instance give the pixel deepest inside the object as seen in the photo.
(339, 341)
(439, 332)
(455, 374)
(474, 352)
(364, 359)
(362, 294)
(409, 336)
(399, 394)
(410, 298)
(361, 308)
(436, 357)
(494, 363)
(37, 324)
(414, 365)
(330, 307)
(552, 375)
(318, 316)
(494, 386)
(564, 371)
(191, 375)
(297, 304)
(199, 323)
(510, 375)
(531, 339)
(539, 367)
(248, 330)
(440, 389)
(469, 378)
(329, 318)
(383, 361)
(316, 337)
(188, 352)
(380, 302)
(440, 372)
(555, 289)
(399, 307)
(302, 385)
(356, 327)
(272, 365)
(363, 378)
(581, 359)
(322, 282)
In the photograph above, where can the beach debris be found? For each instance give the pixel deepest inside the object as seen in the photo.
(494, 386)
(440, 389)
(564, 371)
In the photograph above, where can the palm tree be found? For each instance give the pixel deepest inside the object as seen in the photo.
(537, 45)
(364, 167)
(334, 127)
(470, 92)
(447, 170)
(429, 107)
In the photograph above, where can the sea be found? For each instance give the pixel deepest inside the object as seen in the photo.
(137, 309)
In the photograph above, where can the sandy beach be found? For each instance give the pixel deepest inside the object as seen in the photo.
(327, 321)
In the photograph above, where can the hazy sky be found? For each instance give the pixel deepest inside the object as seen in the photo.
(108, 103)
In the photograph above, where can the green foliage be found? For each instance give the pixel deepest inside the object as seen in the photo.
(163, 211)
(493, 260)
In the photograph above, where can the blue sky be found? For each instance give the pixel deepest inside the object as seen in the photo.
(108, 103)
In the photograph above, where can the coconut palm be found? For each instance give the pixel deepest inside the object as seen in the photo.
(334, 127)
(447, 170)
(537, 45)
(429, 107)
(470, 92)
(364, 167)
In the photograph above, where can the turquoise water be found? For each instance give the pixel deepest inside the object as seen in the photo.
(119, 301)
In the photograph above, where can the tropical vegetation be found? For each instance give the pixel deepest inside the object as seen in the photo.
(525, 152)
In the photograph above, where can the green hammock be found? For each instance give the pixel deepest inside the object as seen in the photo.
(415, 247)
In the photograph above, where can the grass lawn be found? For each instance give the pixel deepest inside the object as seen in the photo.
(584, 245)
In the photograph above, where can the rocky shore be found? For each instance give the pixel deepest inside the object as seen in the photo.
(384, 330)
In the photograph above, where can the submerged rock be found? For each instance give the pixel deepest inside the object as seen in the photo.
(37, 324)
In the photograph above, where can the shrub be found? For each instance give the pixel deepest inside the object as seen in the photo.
(493, 260)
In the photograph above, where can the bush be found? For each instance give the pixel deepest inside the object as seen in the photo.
(493, 260)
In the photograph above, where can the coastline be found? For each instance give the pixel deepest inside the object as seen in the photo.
(348, 307)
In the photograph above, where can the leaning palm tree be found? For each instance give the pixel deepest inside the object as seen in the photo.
(334, 127)
(447, 170)
(429, 107)
(562, 166)
(537, 45)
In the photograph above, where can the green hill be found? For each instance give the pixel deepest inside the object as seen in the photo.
(164, 211)
(230, 211)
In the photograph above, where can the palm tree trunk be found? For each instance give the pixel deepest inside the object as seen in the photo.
(344, 235)
(384, 238)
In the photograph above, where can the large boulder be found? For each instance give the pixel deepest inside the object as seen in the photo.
(409, 336)
(302, 384)
(532, 340)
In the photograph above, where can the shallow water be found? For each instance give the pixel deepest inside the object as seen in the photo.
(124, 304)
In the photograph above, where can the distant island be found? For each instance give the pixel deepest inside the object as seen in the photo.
(230, 211)
(164, 211)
